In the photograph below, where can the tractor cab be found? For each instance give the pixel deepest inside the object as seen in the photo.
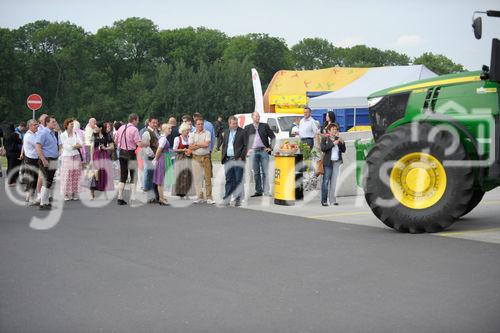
(493, 72)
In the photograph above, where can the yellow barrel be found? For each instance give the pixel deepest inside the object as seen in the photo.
(284, 180)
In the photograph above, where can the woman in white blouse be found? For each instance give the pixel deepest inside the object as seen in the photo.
(71, 167)
(162, 163)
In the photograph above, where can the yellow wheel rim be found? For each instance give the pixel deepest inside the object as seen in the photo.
(418, 180)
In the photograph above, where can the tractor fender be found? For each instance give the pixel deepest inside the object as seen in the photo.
(442, 119)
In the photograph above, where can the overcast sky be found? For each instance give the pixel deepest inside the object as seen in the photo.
(411, 27)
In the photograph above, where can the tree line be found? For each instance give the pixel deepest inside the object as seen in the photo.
(133, 66)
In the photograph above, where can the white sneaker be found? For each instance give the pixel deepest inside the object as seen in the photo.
(210, 202)
(198, 201)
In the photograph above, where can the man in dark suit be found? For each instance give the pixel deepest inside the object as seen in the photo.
(260, 143)
(233, 157)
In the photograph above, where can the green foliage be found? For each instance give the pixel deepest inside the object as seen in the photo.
(267, 54)
(363, 56)
(307, 152)
(192, 46)
(438, 63)
(132, 66)
(315, 53)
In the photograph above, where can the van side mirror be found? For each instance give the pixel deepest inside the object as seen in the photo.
(495, 60)
(493, 13)
(477, 25)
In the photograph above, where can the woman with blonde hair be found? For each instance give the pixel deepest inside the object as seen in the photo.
(182, 165)
(162, 164)
(71, 165)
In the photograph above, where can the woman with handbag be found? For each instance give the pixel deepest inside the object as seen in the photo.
(332, 146)
(71, 166)
(100, 161)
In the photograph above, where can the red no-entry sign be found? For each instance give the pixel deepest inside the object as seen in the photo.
(34, 102)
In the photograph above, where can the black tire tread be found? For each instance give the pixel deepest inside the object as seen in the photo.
(476, 198)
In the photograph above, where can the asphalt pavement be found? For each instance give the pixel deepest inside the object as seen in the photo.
(210, 269)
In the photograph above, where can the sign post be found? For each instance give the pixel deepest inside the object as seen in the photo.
(34, 102)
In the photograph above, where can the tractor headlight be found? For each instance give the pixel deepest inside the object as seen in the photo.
(373, 101)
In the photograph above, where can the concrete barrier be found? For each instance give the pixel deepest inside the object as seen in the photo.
(346, 184)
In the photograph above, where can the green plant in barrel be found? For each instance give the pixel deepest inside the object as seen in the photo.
(436, 147)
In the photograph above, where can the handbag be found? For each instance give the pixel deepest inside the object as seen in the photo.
(80, 153)
(93, 182)
(93, 175)
(126, 154)
(113, 154)
(320, 168)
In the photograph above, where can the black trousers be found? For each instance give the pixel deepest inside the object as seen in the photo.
(13, 164)
(49, 172)
(128, 162)
(31, 174)
(219, 142)
(308, 141)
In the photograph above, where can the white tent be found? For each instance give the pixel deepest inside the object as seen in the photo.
(355, 94)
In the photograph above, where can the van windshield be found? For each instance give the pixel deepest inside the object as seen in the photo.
(286, 122)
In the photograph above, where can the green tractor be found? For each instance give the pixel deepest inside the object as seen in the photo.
(435, 148)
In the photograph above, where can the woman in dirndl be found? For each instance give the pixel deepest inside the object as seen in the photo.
(163, 164)
(182, 166)
(101, 165)
(71, 166)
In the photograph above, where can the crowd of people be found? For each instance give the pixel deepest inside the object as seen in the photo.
(160, 157)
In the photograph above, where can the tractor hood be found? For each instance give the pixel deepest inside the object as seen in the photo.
(425, 84)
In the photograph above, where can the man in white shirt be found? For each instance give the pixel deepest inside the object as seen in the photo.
(308, 129)
(199, 143)
(149, 140)
(30, 158)
(89, 138)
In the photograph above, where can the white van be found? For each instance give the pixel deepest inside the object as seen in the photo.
(280, 123)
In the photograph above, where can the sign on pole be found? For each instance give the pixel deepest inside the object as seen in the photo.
(34, 103)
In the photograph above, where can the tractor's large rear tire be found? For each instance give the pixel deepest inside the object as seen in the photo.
(476, 198)
(408, 185)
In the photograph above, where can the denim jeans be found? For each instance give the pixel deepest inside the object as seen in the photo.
(234, 180)
(148, 175)
(260, 164)
(150, 188)
(329, 183)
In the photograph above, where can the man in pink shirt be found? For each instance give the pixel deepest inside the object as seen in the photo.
(127, 140)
